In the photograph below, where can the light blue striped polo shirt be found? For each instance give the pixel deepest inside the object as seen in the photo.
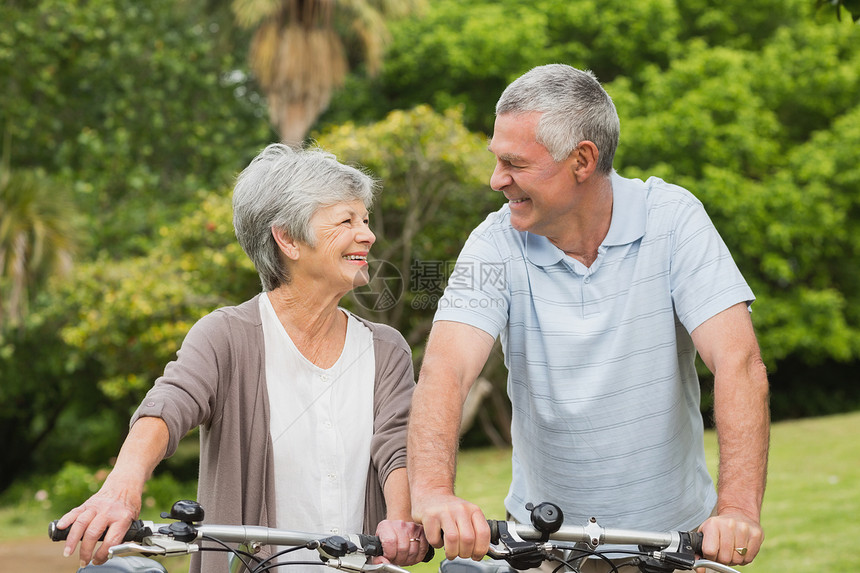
(602, 377)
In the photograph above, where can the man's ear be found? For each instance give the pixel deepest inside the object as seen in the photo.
(287, 245)
(584, 160)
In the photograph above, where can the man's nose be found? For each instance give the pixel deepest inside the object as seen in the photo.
(500, 178)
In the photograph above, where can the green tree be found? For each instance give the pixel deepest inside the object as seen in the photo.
(852, 7)
(83, 360)
(37, 237)
(134, 105)
(736, 128)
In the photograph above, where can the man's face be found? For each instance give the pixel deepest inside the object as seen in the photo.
(540, 191)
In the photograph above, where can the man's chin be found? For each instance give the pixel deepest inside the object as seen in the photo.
(519, 225)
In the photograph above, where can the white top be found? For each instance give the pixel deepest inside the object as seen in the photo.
(602, 377)
(321, 426)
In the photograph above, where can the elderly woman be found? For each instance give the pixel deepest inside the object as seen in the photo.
(302, 406)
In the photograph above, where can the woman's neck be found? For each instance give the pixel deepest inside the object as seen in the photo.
(314, 322)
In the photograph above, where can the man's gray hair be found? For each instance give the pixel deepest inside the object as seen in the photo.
(283, 188)
(575, 108)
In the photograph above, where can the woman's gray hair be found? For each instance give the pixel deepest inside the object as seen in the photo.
(283, 188)
(575, 108)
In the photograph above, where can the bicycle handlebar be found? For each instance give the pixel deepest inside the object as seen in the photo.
(521, 545)
(595, 535)
(146, 538)
(526, 546)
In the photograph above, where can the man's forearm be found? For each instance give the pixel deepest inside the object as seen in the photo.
(743, 427)
(434, 426)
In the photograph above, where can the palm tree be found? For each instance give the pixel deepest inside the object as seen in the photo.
(36, 236)
(298, 51)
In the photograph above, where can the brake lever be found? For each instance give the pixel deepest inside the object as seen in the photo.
(519, 553)
(161, 546)
(358, 562)
(126, 549)
(390, 567)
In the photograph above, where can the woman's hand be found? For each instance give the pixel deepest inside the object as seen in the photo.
(403, 542)
(112, 509)
(104, 513)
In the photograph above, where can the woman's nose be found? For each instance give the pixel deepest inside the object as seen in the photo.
(366, 235)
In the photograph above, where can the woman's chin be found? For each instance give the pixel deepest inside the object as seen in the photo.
(361, 278)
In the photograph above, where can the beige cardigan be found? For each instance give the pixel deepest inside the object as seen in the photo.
(218, 382)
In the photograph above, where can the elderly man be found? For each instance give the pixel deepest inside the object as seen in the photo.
(602, 289)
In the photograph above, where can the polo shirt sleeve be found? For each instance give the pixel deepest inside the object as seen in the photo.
(478, 289)
(705, 279)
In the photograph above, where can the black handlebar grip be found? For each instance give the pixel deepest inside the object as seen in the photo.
(372, 545)
(136, 532)
(55, 533)
(494, 530)
(696, 541)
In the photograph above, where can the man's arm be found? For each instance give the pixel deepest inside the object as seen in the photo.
(118, 501)
(728, 346)
(454, 357)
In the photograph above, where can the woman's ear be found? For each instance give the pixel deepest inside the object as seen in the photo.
(287, 245)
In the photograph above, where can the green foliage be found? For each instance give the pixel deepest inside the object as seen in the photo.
(101, 336)
(135, 104)
(131, 315)
(73, 484)
(742, 25)
(37, 237)
(766, 140)
(465, 56)
(851, 7)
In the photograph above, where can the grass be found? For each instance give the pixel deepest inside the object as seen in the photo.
(810, 514)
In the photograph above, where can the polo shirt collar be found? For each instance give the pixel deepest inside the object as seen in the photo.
(627, 225)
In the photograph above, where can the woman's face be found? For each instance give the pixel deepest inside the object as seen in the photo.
(343, 239)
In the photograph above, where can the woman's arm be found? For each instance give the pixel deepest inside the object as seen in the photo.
(403, 540)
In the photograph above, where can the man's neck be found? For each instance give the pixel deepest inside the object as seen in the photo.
(586, 232)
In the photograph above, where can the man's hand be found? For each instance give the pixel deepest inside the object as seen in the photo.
(731, 538)
(463, 525)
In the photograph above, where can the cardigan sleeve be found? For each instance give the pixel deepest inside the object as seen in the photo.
(393, 388)
(185, 395)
